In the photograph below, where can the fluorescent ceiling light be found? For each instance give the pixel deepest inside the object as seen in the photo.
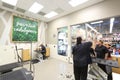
(97, 22)
(51, 14)
(75, 3)
(111, 24)
(11, 2)
(35, 8)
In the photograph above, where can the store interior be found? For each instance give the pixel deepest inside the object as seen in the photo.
(105, 29)
(22, 31)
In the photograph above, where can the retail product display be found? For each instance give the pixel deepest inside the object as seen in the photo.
(107, 30)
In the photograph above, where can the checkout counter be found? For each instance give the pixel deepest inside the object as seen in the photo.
(116, 57)
(47, 52)
(26, 54)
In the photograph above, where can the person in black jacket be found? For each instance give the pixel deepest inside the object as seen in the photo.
(102, 53)
(109, 57)
(81, 59)
(43, 51)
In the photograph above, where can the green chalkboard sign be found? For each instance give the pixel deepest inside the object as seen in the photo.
(24, 30)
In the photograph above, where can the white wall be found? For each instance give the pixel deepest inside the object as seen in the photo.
(105, 9)
(7, 55)
(6, 19)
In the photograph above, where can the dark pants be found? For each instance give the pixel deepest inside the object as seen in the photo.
(103, 67)
(44, 57)
(109, 72)
(80, 73)
(110, 76)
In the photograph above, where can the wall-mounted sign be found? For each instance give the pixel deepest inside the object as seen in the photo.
(24, 30)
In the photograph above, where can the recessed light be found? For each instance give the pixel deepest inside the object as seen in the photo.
(111, 24)
(75, 3)
(35, 8)
(51, 14)
(97, 22)
(11, 2)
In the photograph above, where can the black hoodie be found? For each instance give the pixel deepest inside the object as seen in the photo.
(81, 54)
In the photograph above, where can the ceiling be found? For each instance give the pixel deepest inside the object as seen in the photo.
(62, 7)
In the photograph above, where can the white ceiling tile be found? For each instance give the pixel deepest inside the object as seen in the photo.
(25, 4)
(49, 5)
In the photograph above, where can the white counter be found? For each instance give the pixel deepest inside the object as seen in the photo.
(115, 56)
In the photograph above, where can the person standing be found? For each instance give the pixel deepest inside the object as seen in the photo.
(102, 53)
(109, 68)
(81, 59)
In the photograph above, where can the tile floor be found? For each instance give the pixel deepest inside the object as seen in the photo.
(53, 69)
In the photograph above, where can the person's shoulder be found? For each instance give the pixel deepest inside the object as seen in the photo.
(104, 47)
(87, 43)
(74, 46)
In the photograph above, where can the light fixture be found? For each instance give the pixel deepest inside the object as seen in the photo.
(97, 22)
(111, 24)
(75, 3)
(51, 14)
(11, 2)
(35, 8)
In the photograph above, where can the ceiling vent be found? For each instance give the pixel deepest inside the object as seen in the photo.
(7, 5)
(20, 10)
(41, 13)
(1, 10)
(59, 10)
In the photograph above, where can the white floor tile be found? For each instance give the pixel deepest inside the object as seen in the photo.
(53, 69)
(116, 76)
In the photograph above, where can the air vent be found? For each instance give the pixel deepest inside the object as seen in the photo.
(41, 13)
(7, 5)
(1, 10)
(20, 10)
(59, 10)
